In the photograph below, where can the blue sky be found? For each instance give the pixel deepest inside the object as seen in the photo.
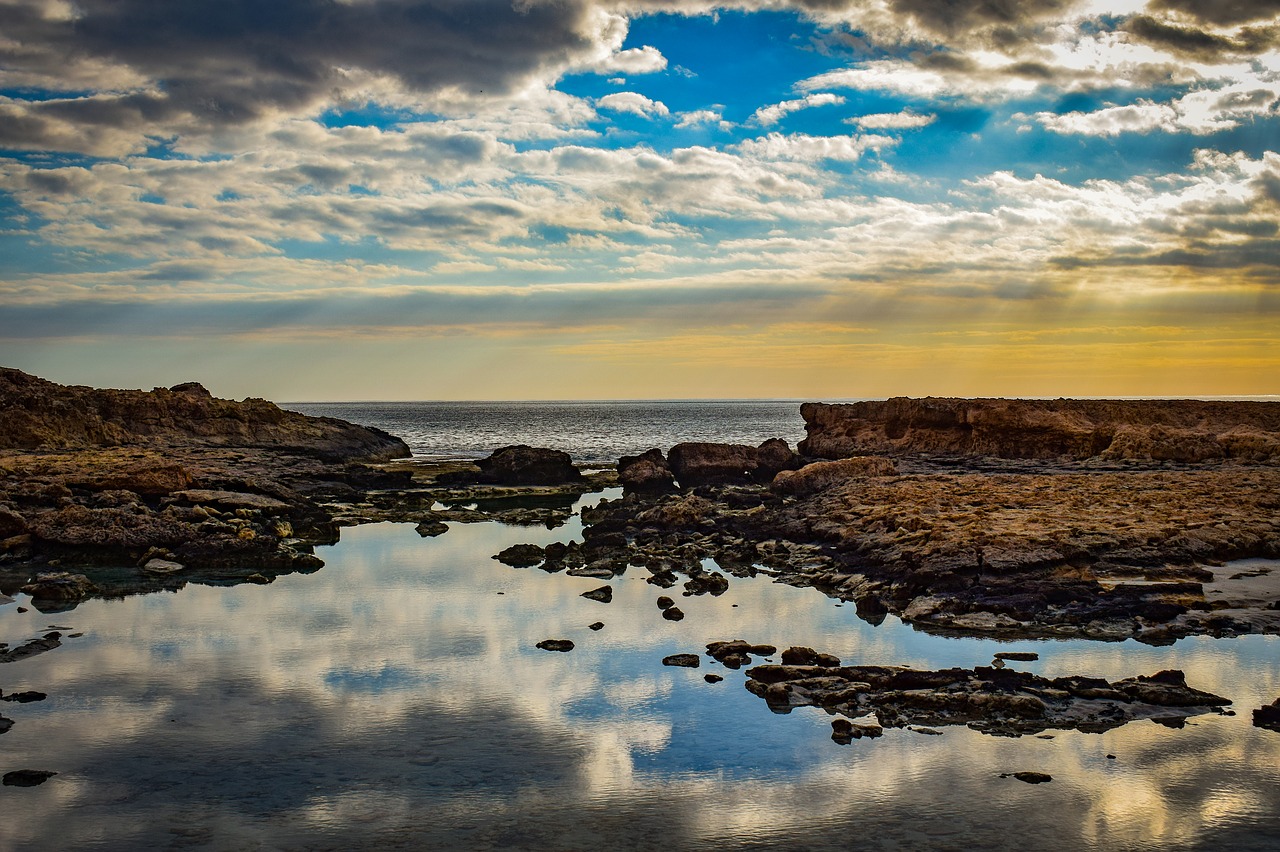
(418, 199)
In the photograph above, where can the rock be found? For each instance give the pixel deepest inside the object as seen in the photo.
(844, 731)
(151, 480)
(1172, 430)
(521, 555)
(60, 586)
(113, 530)
(42, 415)
(1028, 777)
(599, 625)
(11, 523)
(698, 463)
(994, 701)
(525, 465)
(920, 729)
(25, 697)
(1018, 656)
(645, 473)
(808, 657)
(604, 594)
(673, 613)
(737, 653)
(162, 566)
(688, 661)
(561, 645)
(712, 678)
(1268, 716)
(259, 579)
(231, 501)
(5, 725)
(819, 476)
(665, 603)
(430, 529)
(27, 777)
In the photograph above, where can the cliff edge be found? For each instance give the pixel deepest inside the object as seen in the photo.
(1188, 431)
(36, 414)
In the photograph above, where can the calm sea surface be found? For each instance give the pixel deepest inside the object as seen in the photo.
(394, 699)
(589, 431)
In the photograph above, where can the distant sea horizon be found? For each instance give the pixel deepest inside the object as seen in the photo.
(591, 431)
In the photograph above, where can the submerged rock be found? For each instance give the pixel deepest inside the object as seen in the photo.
(688, 661)
(844, 731)
(1029, 777)
(60, 586)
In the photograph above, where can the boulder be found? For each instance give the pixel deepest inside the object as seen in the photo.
(688, 661)
(698, 463)
(820, 476)
(27, 777)
(525, 465)
(1268, 716)
(645, 473)
(604, 594)
(11, 523)
(521, 555)
(60, 586)
(562, 645)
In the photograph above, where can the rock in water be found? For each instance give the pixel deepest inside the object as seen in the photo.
(60, 586)
(1268, 716)
(561, 645)
(604, 594)
(700, 463)
(525, 465)
(27, 777)
(1028, 777)
(521, 555)
(646, 473)
(688, 661)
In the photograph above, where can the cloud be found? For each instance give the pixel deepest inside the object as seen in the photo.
(806, 148)
(906, 120)
(699, 117)
(634, 103)
(635, 60)
(769, 115)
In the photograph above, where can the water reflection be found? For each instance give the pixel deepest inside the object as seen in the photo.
(396, 698)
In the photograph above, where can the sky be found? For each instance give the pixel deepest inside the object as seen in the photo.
(628, 199)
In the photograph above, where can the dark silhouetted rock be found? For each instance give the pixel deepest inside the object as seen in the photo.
(27, 777)
(561, 645)
(712, 678)
(1268, 716)
(28, 649)
(604, 594)
(673, 613)
(1017, 656)
(844, 731)
(430, 529)
(737, 653)
(665, 603)
(688, 661)
(808, 657)
(698, 463)
(25, 697)
(521, 555)
(645, 473)
(525, 465)
(599, 625)
(1028, 777)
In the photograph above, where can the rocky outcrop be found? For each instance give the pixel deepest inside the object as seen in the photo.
(645, 473)
(995, 701)
(697, 463)
(38, 414)
(1188, 431)
(1268, 716)
(525, 465)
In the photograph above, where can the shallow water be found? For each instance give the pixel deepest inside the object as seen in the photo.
(395, 699)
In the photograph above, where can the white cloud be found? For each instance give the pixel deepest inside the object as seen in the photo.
(635, 60)
(634, 103)
(906, 120)
(772, 114)
(698, 117)
(805, 148)
(1199, 112)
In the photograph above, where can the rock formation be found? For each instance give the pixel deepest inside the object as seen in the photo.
(696, 463)
(995, 701)
(525, 465)
(1160, 430)
(39, 414)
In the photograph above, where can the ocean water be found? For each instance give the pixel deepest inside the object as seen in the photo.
(592, 432)
(395, 699)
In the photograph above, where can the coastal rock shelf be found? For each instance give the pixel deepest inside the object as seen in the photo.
(1160, 430)
(995, 701)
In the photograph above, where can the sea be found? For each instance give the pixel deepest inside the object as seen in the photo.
(396, 699)
(591, 432)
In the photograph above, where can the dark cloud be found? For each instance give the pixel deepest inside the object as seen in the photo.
(958, 17)
(1199, 43)
(1220, 12)
(219, 62)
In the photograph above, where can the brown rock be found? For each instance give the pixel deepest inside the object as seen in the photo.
(60, 586)
(645, 473)
(819, 476)
(525, 465)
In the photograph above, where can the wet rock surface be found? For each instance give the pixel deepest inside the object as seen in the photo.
(1268, 716)
(994, 701)
(27, 777)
